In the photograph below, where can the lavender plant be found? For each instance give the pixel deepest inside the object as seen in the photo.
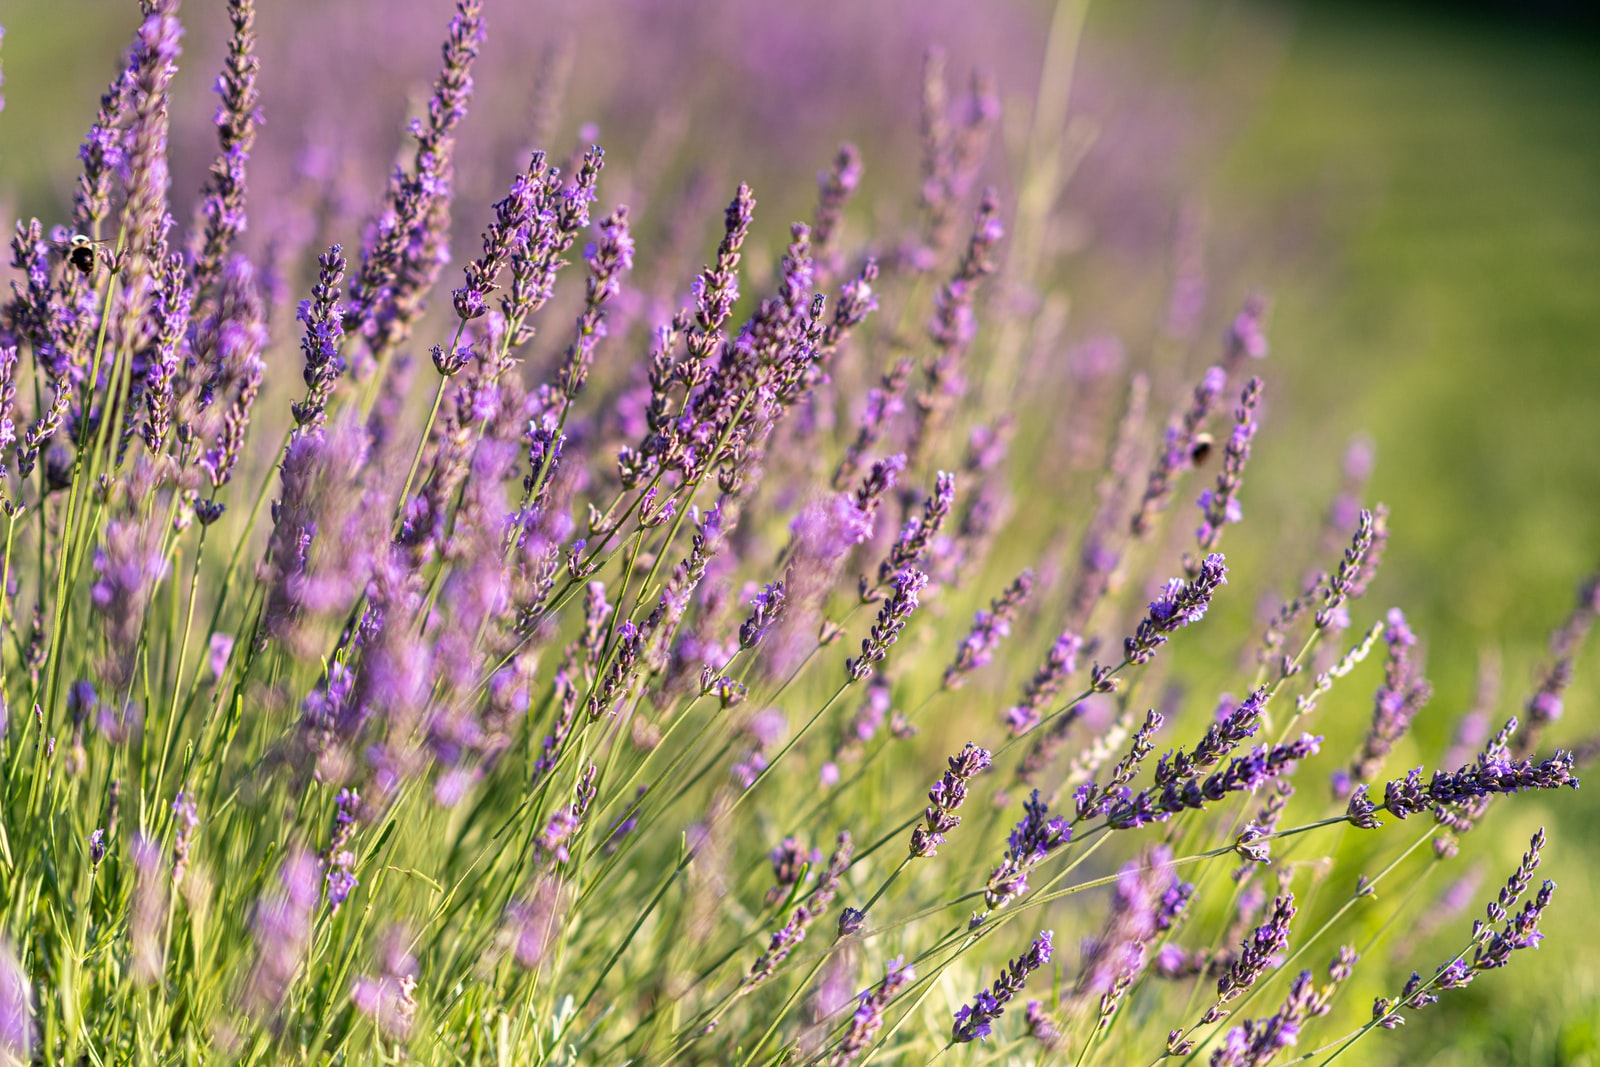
(579, 707)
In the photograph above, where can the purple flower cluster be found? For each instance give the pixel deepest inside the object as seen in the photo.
(1046, 682)
(1402, 695)
(1544, 706)
(793, 932)
(893, 616)
(1031, 841)
(1490, 776)
(975, 1021)
(1183, 433)
(1258, 953)
(989, 628)
(947, 795)
(1258, 1041)
(1181, 603)
(1148, 899)
(1243, 774)
(1494, 939)
(1219, 506)
(382, 645)
(870, 1004)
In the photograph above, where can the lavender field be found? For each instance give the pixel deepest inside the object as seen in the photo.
(753, 534)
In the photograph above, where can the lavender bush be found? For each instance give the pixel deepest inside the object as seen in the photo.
(660, 671)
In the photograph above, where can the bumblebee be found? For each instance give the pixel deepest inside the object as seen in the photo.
(81, 251)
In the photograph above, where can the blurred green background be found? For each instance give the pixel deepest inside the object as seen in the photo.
(1418, 189)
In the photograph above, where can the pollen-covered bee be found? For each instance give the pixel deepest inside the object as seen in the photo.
(1200, 449)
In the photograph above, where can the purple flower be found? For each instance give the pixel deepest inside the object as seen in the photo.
(1231, 728)
(1219, 506)
(1246, 338)
(892, 619)
(220, 650)
(282, 929)
(1257, 954)
(146, 176)
(919, 532)
(870, 1004)
(221, 214)
(1494, 938)
(1402, 695)
(789, 862)
(324, 321)
(1544, 706)
(882, 405)
(147, 910)
(767, 608)
(405, 250)
(1179, 605)
(1042, 1026)
(1090, 799)
(16, 1008)
(953, 324)
(1255, 1043)
(186, 820)
(1491, 775)
(609, 259)
(808, 911)
(1046, 682)
(1177, 449)
(835, 186)
(946, 796)
(1243, 773)
(1035, 836)
(989, 628)
(533, 922)
(387, 1001)
(339, 860)
(973, 1021)
(1147, 900)
(513, 214)
(128, 567)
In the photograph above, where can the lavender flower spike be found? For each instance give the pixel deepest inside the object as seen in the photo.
(1036, 836)
(1492, 774)
(1046, 682)
(1244, 773)
(1495, 938)
(1219, 506)
(16, 1008)
(1259, 1040)
(1402, 695)
(1256, 955)
(1181, 603)
(405, 252)
(222, 199)
(1176, 450)
(324, 321)
(892, 618)
(1545, 705)
(989, 628)
(783, 942)
(972, 1021)
(868, 1017)
(513, 213)
(948, 794)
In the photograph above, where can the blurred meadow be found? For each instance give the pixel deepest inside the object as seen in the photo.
(1415, 188)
